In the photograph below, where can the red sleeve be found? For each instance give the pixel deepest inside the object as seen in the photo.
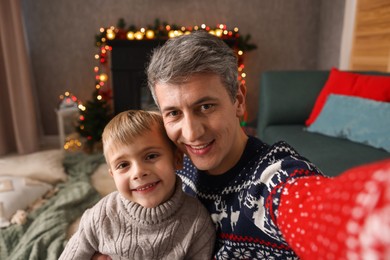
(338, 218)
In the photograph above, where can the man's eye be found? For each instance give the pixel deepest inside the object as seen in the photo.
(206, 107)
(173, 113)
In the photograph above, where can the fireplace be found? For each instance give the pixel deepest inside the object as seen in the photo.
(128, 64)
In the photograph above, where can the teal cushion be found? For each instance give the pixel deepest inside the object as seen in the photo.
(357, 119)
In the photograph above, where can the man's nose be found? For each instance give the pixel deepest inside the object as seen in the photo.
(192, 129)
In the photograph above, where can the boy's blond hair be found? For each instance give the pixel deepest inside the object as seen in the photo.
(126, 126)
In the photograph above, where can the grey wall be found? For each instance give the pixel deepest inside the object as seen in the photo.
(293, 34)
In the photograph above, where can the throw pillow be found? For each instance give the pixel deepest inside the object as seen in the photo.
(352, 84)
(357, 119)
(44, 166)
(17, 193)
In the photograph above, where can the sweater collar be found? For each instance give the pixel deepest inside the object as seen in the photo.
(157, 214)
(214, 181)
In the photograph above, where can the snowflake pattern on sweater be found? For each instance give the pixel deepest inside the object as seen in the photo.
(243, 202)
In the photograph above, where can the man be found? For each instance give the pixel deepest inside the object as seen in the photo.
(249, 188)
(193, 80)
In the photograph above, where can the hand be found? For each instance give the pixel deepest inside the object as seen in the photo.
(99, 256)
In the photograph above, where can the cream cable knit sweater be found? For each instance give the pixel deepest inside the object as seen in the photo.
(180, 228)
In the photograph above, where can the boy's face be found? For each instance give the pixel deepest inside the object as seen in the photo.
(203, 121)
(144, 172)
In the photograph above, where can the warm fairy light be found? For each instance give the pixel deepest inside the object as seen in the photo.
(96, 69)
(97, 86)
(102, 29)
(196, 27)
(240, 52)
(97, 56)
(218, 32)
(149, 34)
(235, 29)
(110, 34)
(73, 144)
(142, 30)
(168, 27)
(67, 94)
(81, 107)
(130, 35)
(139, 35)
(174, 33)
(103, 77)
(99, 97)
(243, 74)
(203, 26)
(212, 32)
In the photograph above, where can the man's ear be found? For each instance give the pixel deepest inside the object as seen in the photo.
(110, 172)
(241, 100)
(178, 157)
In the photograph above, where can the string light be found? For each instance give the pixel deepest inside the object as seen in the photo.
(165, 31)
(170, 31)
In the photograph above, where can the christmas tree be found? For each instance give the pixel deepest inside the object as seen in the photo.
(94, 116)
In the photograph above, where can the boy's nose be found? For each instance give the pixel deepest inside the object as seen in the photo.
(138, 172)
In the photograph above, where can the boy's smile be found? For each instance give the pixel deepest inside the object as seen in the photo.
(144, 171)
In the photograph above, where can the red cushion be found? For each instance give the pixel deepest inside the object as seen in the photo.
(351, 84)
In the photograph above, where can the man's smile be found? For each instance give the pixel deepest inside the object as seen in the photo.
(199, 149)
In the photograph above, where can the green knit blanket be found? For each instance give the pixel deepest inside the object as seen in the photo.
(43, 236)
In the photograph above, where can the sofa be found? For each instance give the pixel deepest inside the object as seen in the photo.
(286, 100)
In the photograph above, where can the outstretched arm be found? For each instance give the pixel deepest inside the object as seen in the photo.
(342, 217)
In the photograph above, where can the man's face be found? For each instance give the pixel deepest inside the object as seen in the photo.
(203, 121)
(144, 172)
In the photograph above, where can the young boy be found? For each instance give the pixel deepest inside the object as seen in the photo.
(149, 217)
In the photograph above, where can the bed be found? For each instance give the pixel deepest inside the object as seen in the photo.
(70, 183)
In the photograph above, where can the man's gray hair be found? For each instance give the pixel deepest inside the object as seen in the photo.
(196, 53)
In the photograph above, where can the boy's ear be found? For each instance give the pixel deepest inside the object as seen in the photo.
(178, 157)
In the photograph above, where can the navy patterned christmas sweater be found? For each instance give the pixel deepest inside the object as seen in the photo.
(243, 202)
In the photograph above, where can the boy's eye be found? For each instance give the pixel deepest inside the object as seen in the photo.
(122, 165)
(151, 156)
